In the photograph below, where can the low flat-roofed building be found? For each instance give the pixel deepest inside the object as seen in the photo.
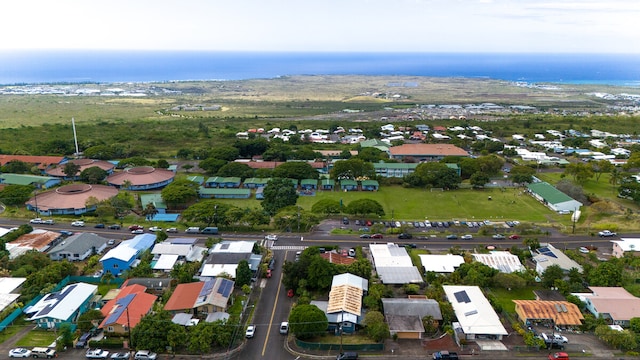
(559, 313)
(447, 263)
(394, 265)
(476, 317)
(625, 245)
(503, 261)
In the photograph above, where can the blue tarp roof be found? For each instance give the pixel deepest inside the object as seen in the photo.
(165, 217)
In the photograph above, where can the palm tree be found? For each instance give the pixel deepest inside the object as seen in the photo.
(149, 211)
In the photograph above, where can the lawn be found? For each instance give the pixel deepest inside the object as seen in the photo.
(13, 329)
(103, 289)
(504, 297)
(416, 204)
(37, 337)
(346, 339)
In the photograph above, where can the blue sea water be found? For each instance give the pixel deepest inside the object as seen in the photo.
(32, 67)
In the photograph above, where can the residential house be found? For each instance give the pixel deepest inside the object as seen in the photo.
(309, 184)
(615, 304)
(327, 184)
(122, 257)
(254, 183)
(224, 258)
(393, 264)
(38, 239)
(404, 316)
(442, 264)
(10, 291)
(548, 255)
(166, 254)
(78, 247)
(344, 308)
(477, 320)
(625, 245)
(558, 313)
(503, 261)
(125, 311)
(202, 297)
(63, 306)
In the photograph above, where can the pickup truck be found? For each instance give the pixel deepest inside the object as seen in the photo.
(445, 355)
(606, 233)
(97, 354)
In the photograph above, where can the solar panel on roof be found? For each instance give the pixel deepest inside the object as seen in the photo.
(564, 308)
(462, 296)
(225, 288)
(546, 251)
(558, 308)
(55, 298)
(206, 288)
(119, 308)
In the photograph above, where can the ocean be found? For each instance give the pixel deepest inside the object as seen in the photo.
(36, 67)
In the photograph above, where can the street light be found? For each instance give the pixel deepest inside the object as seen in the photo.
(215, 214)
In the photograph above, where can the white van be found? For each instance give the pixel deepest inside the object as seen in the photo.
(193, 230)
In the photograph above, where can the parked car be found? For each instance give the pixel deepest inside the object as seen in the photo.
(498, 237)
(145, 355)
(43, 352)
(99, 226)
(66, 232)
(268, 274)
(120, 355)
(83, 340)
(583, 250)
(349, 355)
(78, 223)
(251, 330)
(111, 242)
(466, 237)
(114, 227)
(96, 354)
(20, 353)
(352, 252)
(290, 293)
(345, 221)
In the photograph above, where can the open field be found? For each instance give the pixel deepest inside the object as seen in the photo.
(37, 337)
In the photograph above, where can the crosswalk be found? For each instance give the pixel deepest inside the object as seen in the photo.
(288, 247)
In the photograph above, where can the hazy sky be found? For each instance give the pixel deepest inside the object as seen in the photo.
(596, 26)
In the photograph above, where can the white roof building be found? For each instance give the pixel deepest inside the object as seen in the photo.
(624, 245)
(441, 263)
(476, 317)
(548, 255)
(233, 247)
(61, 306)
(7, 286)
(503, 261)
(394, 265)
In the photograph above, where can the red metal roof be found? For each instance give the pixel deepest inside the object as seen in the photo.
(427, 150)
(137, 308)
(41, 161)
(184, 296)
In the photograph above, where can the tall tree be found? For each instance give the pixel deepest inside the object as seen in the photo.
(364, 207)
(278, 193)
(243, 274)
(71, 169)
(352, 169)
(93, 175)
(180, 192)
(295, 170)
(306, 321)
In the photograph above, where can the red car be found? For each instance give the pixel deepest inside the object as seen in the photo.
(514, 237)
(290, 293)
(268, 273)
(136, 227)
(377, 236)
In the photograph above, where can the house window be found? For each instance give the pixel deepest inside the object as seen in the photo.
(76, 255)
(115, 266)
(110, 328)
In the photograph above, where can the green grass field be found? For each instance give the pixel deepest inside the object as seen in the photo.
(37, 337)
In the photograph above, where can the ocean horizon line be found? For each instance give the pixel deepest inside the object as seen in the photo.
(144, 66)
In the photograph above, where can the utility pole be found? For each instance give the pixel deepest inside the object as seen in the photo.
(129, 331)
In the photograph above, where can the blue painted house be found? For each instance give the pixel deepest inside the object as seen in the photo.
(348, 185)
(122, 257)
(309, 184)
(223, 182)
(63, 306)
(327, 184)
(369, 185)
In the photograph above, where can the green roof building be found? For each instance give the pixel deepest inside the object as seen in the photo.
(553, 198)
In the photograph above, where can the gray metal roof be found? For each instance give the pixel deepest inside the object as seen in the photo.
(80, 243)
(399, 274)
(412, 307)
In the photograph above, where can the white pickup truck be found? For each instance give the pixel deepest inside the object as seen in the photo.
(606, 233)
